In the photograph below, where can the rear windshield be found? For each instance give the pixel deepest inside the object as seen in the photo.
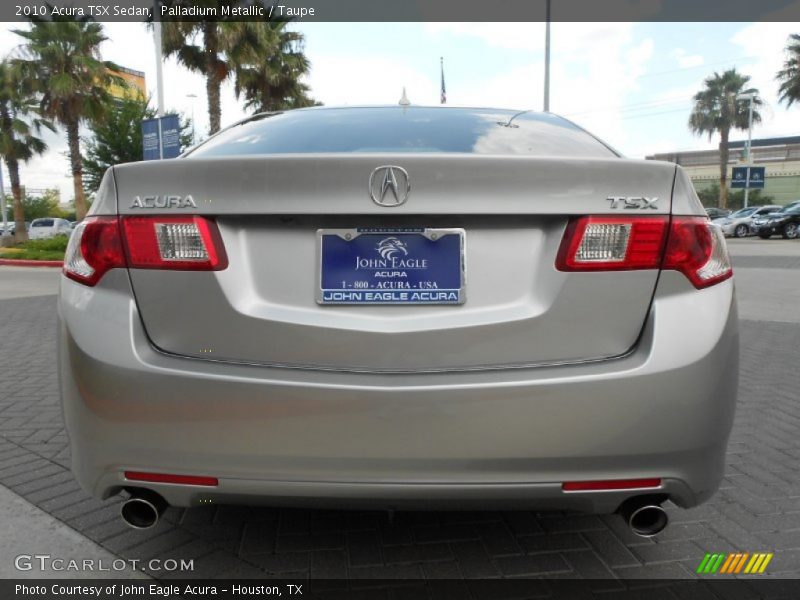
(42, 223)
(405, 129)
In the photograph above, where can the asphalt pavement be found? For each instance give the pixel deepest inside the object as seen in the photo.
(756, 510)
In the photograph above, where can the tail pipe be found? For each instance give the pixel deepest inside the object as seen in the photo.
(143, 509)
(644, 516)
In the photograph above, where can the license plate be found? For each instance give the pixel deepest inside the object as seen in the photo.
(391, 266)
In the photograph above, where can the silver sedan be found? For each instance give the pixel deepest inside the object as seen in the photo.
(399, 307)
(741, 223)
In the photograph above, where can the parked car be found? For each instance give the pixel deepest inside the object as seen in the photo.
(329, 334)
(12, 227)
(792, 204)
(785, 222)
(48, 227)
(717, 213)
(740, 223)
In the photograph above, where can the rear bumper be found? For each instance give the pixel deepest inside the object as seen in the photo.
(462, 439)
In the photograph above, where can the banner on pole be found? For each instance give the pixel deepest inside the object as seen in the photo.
(168, 144)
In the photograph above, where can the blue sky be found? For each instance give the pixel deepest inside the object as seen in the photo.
(629, 83)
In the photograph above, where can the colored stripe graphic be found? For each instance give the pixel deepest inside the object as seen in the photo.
(754, 563)
(741, 562)
(734, 563)
(717, 563)
(764, 564)
(729, 562)
(704, 563)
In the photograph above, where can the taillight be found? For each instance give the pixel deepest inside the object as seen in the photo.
(170, 242)
(697, 249)
(691, 245)
(612, 244)
(178, 242)
(93, 249)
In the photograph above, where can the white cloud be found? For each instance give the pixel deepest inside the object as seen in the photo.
(594, 68)
(686, 60)
(766, 43)
(342, 80)
(513, 36)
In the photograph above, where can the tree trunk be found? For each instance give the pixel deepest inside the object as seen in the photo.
(213, 80)
(76, 163)
(723, 168)
(20, 233)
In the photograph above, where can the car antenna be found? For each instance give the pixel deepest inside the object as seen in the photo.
(404, 101)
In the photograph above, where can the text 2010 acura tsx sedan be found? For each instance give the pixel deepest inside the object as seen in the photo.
(399, 307)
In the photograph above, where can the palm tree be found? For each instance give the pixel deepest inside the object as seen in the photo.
(789, 76)
(63, 57)
(19, 130)
(273, 81)
(716, 110)
(214, 49)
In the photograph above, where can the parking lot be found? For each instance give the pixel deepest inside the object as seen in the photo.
(757, 509)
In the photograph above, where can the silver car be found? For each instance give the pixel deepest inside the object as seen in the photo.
(399, 307)
(742, 222)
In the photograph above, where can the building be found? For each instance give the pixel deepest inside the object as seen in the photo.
(780, 156)
(133, 84)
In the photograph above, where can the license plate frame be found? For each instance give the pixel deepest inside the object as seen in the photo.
(448, 268)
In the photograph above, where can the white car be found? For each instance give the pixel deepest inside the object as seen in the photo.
(49, 227)
(740, 223)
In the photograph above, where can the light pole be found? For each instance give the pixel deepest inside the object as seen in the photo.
(159, 77)
(547, 57)
(192, 96)
(751, 97)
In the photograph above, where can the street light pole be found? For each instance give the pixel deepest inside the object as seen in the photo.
(751, 97)
(159, 78)
(547, 57)
(192, 96)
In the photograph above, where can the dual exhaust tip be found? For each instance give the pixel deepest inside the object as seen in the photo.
(645, 517)
(143, 509)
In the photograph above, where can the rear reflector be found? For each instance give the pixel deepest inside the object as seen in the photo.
(166, 478)
(691, 245)
(612, 484)
(181, 243)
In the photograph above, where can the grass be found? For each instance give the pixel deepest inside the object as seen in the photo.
(47, 249)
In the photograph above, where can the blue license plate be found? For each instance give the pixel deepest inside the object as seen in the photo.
(391, 266)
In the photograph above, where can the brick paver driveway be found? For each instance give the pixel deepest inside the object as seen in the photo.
(757, 509)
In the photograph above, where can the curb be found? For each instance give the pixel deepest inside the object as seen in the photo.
(10, 262)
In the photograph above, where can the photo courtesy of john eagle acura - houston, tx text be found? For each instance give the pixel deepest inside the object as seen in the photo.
(399, 307)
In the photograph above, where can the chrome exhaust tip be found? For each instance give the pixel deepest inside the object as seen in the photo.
(143, 509)
(645, 519)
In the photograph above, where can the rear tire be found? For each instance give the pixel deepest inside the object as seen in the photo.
(740, 231)
(790, 231)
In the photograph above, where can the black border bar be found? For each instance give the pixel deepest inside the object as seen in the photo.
(414, 10)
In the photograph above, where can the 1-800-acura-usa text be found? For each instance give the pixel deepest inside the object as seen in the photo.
(399, 307)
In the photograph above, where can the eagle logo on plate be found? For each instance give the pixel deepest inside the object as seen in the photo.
(391, 247)
(389, 185)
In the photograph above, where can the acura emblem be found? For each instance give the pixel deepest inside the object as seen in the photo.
(389, 185)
